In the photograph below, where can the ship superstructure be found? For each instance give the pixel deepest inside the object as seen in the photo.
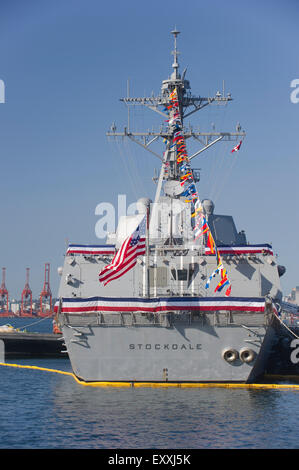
(176, 294)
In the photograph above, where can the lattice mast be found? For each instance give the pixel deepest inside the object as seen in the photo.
(188, 104)
(46, 294)
(26, 301)
(4, 295)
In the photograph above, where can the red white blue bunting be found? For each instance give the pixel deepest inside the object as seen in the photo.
(156, 305)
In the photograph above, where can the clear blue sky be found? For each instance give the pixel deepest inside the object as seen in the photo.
(65, 64)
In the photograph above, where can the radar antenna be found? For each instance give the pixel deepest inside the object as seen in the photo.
(188, 105)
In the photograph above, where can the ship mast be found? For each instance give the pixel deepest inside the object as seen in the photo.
(175, 52)
(188, 105)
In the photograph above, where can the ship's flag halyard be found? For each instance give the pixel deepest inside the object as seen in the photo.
(126, 257)
(237, 147)
(201, 226)
(211, 243)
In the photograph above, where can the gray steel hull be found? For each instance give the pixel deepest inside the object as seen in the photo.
(148, 306)
(180, 352)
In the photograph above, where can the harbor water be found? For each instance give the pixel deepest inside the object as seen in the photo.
(47, 410)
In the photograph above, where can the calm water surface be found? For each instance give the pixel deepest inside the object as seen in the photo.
(51, 411)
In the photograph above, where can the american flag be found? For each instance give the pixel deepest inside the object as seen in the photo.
(126, 257)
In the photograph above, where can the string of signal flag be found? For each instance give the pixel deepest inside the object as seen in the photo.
(201, 226)
(134, 245)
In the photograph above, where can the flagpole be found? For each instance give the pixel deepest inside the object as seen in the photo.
(147, 252)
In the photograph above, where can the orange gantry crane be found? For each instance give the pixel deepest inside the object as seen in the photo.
(26, 301)
(4, 310)
(46, 294)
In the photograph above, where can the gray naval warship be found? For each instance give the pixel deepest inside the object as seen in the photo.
(176, 294)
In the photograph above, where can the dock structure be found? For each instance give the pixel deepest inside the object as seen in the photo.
(18, 344)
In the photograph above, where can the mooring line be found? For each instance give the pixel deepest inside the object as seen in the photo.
(158, 384)
(35, 323)
(290, 331)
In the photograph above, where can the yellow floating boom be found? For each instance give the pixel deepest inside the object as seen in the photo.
(160, 384)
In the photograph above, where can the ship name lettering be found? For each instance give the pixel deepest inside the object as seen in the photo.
(168, 347)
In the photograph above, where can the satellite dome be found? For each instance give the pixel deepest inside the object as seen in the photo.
(208, 206)
(142, 204)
